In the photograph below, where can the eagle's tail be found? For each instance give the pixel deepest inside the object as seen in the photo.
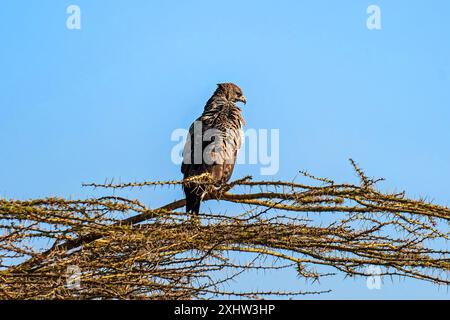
(193, 203)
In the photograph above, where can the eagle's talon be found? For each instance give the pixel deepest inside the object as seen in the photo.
(195, 220)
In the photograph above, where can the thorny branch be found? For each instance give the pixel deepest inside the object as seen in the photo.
(127, 250)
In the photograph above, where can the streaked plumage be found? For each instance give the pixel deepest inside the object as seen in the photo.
(221, 126)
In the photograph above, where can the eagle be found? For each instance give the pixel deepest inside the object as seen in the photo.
(212, 143)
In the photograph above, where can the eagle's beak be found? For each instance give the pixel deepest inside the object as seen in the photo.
(243, 100)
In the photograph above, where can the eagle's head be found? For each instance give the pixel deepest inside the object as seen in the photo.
(232, 92)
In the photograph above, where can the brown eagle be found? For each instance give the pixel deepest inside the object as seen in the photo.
(213, 142)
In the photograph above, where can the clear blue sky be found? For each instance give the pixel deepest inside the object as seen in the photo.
(101, 102)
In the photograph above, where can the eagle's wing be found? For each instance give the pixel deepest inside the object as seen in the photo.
(193, 144)
(216, 155)
(187, 156)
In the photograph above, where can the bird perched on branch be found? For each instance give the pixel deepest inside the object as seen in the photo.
(212, 144)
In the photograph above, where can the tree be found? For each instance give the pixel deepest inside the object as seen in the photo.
(122, 249)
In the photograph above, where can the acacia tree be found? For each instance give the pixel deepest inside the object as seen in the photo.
(121, 248)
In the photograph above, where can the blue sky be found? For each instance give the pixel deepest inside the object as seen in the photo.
(101, 102)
